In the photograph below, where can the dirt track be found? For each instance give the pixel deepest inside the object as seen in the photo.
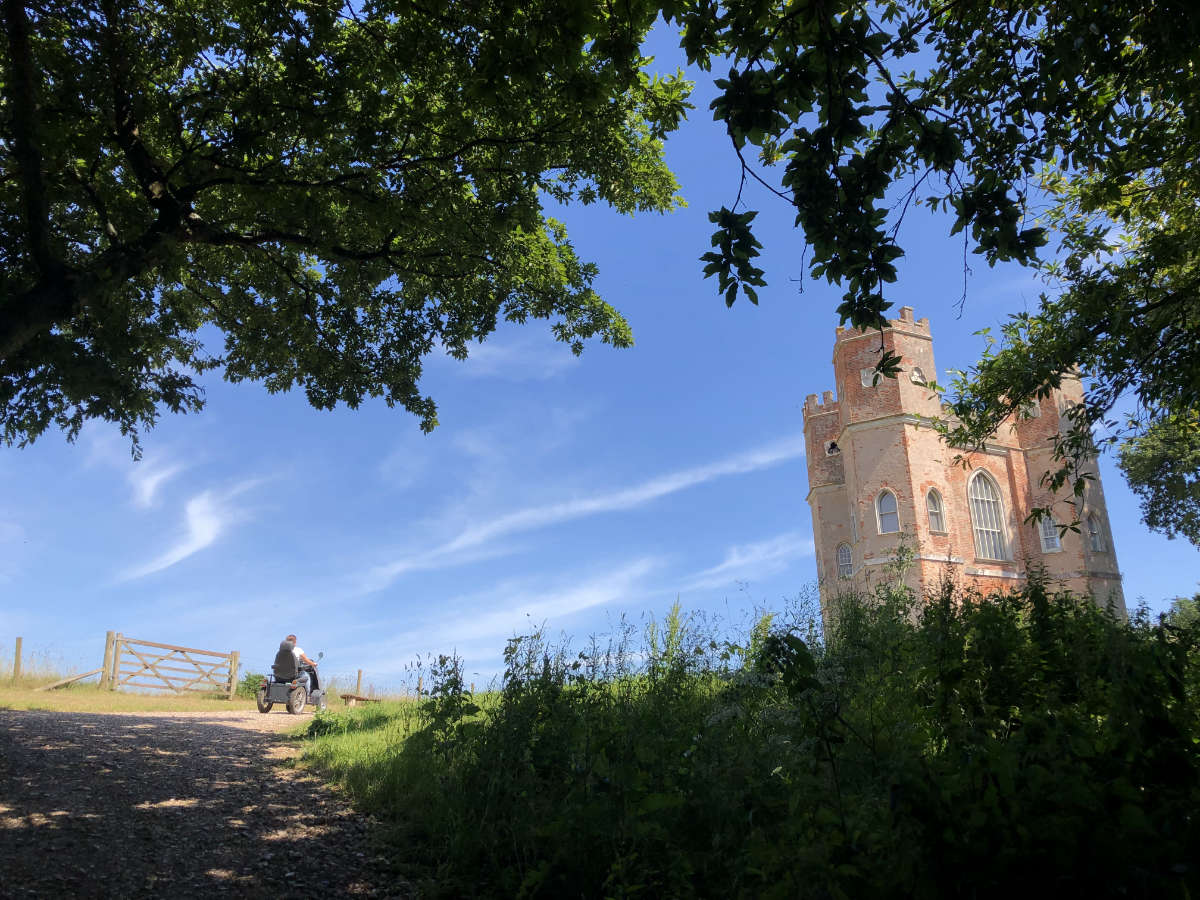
(172, 805)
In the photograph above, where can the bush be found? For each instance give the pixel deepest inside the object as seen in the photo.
(249, 685)
(969, 747)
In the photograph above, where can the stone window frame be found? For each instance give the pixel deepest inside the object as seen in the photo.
(867, 377)
(845, 561)
(935, 505)
(879, 512)
(988, 519)
(1095, 534)
(1049, 536)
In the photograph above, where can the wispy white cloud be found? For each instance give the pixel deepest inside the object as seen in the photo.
(104, 446)
(207, 516)
(145, 477)
(753, 560)
(530, 357)
(480, 624)
(505, 615)
(379, 577)
(148, 476)
(468, 542)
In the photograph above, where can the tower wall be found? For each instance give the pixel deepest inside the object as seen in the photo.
(878, 437)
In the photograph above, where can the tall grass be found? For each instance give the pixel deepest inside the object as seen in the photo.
(968, 746)
(38, 668)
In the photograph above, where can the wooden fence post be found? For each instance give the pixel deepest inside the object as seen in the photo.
(17, 662)
(420, 681)
(106, 666)
(358, 685)
(233, 670)
(116, 662)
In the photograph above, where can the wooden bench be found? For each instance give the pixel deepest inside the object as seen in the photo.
(353, 699)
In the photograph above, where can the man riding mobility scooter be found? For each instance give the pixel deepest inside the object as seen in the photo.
(289, 683)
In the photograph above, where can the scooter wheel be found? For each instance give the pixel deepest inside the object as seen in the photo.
(296, 700)
(264, 705)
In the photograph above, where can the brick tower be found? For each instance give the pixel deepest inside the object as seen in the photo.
(877, 470)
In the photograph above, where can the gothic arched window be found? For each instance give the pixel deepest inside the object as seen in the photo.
(845, 561)
(937, 516)
(889, 517)
(987, 518)
(1095, 537)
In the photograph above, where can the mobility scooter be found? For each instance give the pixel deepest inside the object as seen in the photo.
(289, 684)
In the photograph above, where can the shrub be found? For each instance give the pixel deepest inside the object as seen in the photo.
(969, 746)
(249, 685)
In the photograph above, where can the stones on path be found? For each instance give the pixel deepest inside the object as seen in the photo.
(153, 805)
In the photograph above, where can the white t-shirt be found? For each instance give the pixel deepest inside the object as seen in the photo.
(299, 654)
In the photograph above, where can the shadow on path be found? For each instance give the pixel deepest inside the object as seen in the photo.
(146, 806)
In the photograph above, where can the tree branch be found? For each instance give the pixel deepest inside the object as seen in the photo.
(22, 97)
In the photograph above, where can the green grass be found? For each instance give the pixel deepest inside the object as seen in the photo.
(90, 698)
(39, 670)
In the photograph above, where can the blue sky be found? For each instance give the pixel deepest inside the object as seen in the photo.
(558, 490)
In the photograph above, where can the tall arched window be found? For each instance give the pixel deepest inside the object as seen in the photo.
(1095, 538)
(889, 518)
(987, 517)
(1049, 533)
(937, 518)
(845, 561)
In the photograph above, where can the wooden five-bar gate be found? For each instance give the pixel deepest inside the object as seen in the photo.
(149, 665)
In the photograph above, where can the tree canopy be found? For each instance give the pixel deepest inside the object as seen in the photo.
(1162, 465)
(318, 196)
(303, 194)
(1072, 123)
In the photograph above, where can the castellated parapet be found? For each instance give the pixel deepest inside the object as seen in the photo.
(878, 473)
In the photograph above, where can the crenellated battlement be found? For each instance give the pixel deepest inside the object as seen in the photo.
(906, 322)
(815, 407)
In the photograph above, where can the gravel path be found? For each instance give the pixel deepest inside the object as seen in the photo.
(172, 805)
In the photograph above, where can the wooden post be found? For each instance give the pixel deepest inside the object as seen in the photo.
(116, 664)
(358, 685)
(106, 666)
(17, 661)
(233, 671)
(420, 681)
(472, 689)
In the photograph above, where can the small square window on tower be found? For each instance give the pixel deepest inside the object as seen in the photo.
(868, 376)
